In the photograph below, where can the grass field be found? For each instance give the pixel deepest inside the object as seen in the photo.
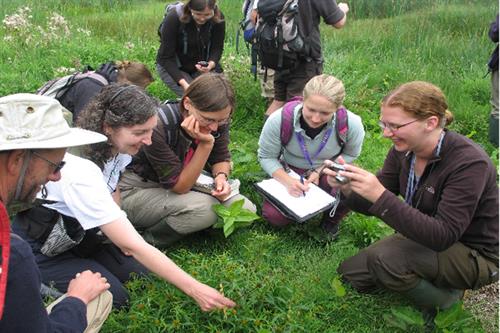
(283, 281)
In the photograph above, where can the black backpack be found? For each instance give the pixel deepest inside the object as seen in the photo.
(278, 39)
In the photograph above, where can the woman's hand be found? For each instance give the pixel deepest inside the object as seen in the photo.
(210, 299)
(205, 69)
(192, 128)
(222, 187)
(362, 182)
(314, 177)
(296, 188)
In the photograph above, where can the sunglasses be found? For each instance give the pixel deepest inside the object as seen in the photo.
(57, 166)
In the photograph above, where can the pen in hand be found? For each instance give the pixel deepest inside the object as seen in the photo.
(302, 182)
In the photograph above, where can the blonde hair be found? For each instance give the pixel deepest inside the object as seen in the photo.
(134, 73)
(422, 100)
(327, 86)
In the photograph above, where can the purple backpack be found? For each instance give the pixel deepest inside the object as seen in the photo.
(287, 123)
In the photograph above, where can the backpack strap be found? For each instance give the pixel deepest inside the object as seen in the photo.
(286, 130)
(341, 127)
(170, 115)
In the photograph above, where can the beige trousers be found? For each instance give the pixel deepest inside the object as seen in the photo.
(97, 310)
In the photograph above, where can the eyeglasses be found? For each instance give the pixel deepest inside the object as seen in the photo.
(203, 15)
(208, 121)
(392, 127)
(57, 166)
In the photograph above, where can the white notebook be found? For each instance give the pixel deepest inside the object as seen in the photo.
(300, 208)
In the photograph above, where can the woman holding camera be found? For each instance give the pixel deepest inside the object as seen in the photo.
(192, 41)
(314, 138)
(447, 224)
(192, 136)
(87, 198)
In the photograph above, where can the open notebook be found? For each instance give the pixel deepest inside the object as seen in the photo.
(299, 208)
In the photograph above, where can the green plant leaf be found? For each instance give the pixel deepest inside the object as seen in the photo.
(229, 226)
(221, 210)
(236, 207)
(448, 317)
(394, 322)
(338, 287)
(408, 315)
(247, 216)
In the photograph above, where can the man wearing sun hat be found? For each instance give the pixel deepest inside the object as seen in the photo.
(33, 140)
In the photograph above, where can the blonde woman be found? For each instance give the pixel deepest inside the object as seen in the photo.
(314, 139)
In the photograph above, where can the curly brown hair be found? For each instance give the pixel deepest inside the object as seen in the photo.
(117, 105)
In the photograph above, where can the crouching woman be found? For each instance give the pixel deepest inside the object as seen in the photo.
(192, 135)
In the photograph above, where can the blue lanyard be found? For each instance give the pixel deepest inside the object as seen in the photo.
(322, 145)
(413, 180)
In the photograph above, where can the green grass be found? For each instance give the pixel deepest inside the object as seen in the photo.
(282, 281)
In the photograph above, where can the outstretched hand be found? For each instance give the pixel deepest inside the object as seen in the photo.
(210, 299)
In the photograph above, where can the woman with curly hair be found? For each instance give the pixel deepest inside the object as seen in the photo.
(110, 244)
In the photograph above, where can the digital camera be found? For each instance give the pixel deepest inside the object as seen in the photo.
(203, 63)
(338, 167)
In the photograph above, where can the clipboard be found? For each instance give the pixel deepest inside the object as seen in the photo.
(299, 209)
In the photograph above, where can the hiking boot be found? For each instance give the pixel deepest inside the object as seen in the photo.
(429, 297)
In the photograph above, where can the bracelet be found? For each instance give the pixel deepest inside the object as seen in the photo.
(221, 173)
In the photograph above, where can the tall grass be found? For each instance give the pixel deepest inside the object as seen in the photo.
(282, 280)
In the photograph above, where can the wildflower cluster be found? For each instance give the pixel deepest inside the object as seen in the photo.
(19, 27)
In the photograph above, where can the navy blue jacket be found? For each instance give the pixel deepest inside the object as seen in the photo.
(24, 309)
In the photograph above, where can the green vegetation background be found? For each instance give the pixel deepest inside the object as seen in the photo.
(283, 281)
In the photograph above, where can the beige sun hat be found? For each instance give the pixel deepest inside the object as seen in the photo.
(29, 121)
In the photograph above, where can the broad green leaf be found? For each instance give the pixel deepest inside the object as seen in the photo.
(449, 316)
(221, 210)
(229, 227)
(408, 315)
(247, 215)
(393, 322)
(236, 207)
(338, 287)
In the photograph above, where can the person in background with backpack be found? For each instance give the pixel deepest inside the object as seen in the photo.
(86, 199)
(75, 95)
(314, 136)
(78, 96)
(290, 82)
(266, 76)
(438, 190)
(192, 135)
(191, 43)
(493, 68)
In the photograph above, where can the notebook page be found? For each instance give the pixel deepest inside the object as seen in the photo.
(314, 200)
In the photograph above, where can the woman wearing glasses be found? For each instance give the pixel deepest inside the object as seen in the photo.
(192, 135)
(94, 232)
(191, 43)
(447, 222)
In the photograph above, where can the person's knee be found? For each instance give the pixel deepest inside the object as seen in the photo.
(120, 296)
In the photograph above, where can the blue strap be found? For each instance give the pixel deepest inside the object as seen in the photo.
(322, 145)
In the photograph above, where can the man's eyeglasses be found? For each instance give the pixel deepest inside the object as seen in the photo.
(392, 127)
(57, 166)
